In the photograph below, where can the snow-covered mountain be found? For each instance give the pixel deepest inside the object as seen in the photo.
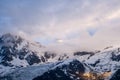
(21, 58)
(102, 65)
(16, 52)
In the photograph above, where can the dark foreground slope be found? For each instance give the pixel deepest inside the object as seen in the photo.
(71, 71)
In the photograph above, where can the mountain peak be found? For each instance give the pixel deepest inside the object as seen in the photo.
(17, 51)
(9, 37)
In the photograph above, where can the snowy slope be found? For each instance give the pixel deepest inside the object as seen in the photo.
(106, 60)
(29, 73)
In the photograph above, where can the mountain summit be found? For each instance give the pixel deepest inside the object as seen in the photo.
(16, 51)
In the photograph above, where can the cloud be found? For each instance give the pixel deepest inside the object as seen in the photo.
(114, 15)
(77, 23)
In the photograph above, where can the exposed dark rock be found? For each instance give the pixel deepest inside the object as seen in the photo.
(108, 47)
(63, 57)
(31, 59)
(116, 75)
(22, 53)
(5, 78)
(96, 62)
(1, 41)
(43, 59)
(48, 55)
(71, 71)
(83, 53)
(6, 64)
(115, 57)
(6, 53)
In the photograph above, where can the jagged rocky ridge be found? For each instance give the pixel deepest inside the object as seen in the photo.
(20, 55)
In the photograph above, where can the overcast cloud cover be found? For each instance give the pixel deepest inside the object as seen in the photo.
(65, 24)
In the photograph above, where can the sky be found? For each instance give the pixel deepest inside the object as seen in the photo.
(63, 24)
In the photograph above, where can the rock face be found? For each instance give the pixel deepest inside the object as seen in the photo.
(70, 71)
(83, 53)
(116, 75)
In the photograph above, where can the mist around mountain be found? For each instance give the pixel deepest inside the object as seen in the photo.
(22, 59)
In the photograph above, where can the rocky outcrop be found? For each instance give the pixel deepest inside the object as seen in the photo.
(71, 71)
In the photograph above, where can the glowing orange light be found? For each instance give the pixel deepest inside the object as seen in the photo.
(86, 74)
